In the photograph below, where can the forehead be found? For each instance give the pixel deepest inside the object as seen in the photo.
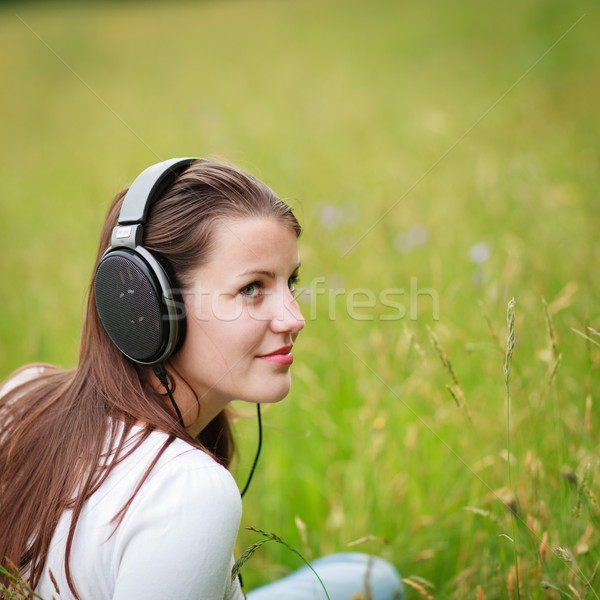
(250, 240)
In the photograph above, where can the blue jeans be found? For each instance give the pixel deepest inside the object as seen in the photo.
(345, 576)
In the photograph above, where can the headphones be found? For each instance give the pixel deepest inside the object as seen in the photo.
(140, 309)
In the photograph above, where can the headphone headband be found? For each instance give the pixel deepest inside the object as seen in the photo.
(140, 309)
(148, 186)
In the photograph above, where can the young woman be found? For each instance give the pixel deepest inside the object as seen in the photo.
(113, 475)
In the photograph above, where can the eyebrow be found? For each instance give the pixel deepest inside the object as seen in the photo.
(266, 273)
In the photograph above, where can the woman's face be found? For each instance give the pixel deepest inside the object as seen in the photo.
(242, 318)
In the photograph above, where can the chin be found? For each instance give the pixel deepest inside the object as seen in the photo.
(273, 399)
(270, 396)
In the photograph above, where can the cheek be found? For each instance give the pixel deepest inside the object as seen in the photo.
(223, 343)
(239, 338)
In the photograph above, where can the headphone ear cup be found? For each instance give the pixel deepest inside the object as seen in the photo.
(137, 305)
(177, 316)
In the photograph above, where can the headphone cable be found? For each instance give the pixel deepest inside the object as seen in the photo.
(257, 450)
(161, 373)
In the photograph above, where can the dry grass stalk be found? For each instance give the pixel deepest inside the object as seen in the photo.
(412, 343)
(581, 482)
(455, 395)
(550, 330)
(435, 342)
(368, 538)
(419, 588)
(507, 497)
(510, 339)
(577, 594)
(493, 334)
(484, 513)
(582, 544)
(303, 532)
(368, 594)
(480, 594)
(426, 554)
(544, 546)
(455, 389)
(533, 525)
(593, 575)
(589, 340)
(588, 345)
(18, 588)
(586, 489)
(564, 298)
(511, 582)
(554, 370)
(510, 345)
(270, 537)
(54, 582)
(587, 423)
(564, 554)
(543, 555)
(521, 580)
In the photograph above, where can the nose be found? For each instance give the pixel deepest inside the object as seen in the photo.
(288, 318)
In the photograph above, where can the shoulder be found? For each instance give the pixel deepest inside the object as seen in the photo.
(183, 520)
(193, 468)
(21, 376)
(187, 479)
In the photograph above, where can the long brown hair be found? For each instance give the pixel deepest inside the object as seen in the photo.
(54, 428)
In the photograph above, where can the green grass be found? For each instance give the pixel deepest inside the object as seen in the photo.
(476, 122)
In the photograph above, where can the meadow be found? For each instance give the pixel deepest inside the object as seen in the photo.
(443, 160)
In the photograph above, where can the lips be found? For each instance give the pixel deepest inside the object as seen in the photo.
(281, 356)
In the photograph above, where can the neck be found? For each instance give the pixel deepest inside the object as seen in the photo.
(197, 411)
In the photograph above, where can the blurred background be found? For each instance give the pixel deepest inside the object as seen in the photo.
(443, 159)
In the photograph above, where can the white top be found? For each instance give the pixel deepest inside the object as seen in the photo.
(176, 540)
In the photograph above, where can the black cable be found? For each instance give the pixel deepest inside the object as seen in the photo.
(253, 468)
(160, 372)
(257, 450)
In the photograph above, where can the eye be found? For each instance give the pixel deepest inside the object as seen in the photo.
(252, 290)
(293, 282)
